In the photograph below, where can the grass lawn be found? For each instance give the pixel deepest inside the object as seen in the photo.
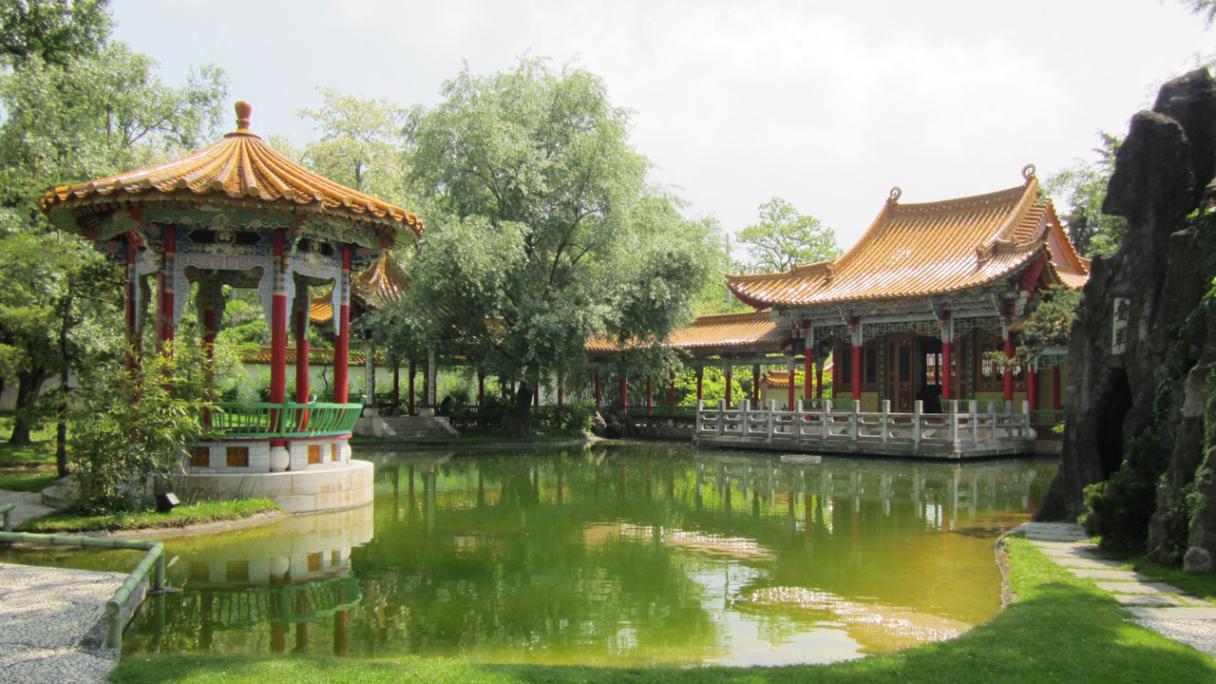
(186, 514)
(1202, 585)
(41, 452)
(27, 479)
(1061, 629)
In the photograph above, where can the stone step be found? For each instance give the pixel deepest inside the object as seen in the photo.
(1138, 588)
(1147, 600)
(1179, 613)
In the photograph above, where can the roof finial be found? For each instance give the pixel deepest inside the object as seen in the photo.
(243, 110)
(893, 196)
(1028, 172)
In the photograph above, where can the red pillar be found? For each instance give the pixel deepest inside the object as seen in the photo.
(1032, 388)
(808, 371)
(598, 389)
(164, 281)
(671, 389)
(481, 388)
(793, 390)
(413, 372)
(755, 383)
(700, 382)
(819, 380)
(1055, 388)
(624, 389)
(649, 396)
(128, 305)
(278, 329)
(342, 343)
(857, 372)
(1008, 368)
(728, 387)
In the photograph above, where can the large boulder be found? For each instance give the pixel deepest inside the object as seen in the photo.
(1137, 405)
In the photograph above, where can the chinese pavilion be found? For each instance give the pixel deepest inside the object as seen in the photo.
(908, 317)
(239, 214)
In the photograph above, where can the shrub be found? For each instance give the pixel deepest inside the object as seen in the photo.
(1120, 507)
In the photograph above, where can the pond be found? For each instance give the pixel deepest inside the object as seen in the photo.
(614, 555)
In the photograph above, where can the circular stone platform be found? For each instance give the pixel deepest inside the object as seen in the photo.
(319, 488)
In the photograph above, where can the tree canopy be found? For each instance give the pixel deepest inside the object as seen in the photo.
(55, 31)
(360, 145)
(543, 229)
(784, 238)
(1084, 186)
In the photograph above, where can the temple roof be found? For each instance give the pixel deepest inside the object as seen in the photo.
(934, 248)
(242, 168)
(380, 285)
(750, 331)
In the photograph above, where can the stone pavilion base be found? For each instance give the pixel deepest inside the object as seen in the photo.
(327, 487)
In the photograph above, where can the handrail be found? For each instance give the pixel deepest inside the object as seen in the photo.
(248, 420)
(153, 561)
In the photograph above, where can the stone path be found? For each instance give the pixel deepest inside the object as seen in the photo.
(29, 505)
(54, 624)
(1163, 608)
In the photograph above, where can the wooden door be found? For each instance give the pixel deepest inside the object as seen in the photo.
(901, 370)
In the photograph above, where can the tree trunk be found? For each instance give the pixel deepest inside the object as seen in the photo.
(28, 385)
(61, 425)
(518, 423)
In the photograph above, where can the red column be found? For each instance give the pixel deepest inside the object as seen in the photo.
(624, 389)
(728, 387)
(342, 343)
(413, 372)
(700, 382)
(1055, 388)
(671, 389)
(793, 390)
(164, 281)
(947, 373)
(1032, 388)
(303, 349)
(598, 389)
(755, 383)
(128, 305)
(649, 397)
(481, 388)
(856, 372)
(1008, 368)
(808, 371)
(278, 326)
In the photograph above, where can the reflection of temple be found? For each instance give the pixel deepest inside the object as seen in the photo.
(294, 575)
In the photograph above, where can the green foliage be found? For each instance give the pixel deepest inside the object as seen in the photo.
(543, 230)
(1047, 327)
(360, 144)
(1084, 185)
(785, 238)
(55, 31)
(1119, 508)
(132, 426)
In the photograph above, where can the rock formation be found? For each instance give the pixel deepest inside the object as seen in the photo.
(1139, 398)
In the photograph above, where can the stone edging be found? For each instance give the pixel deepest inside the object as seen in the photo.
(256, 520)
(1005, 563)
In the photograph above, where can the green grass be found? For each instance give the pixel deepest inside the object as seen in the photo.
(41, 452)
(187, 514)
(466, 438)
(1202, 585)
(27, 479)
(1061, 629)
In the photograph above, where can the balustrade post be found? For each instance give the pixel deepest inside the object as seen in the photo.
(991, 421)
(745, 408)
(772, 414)
(918, 408)
(884, 421)
(825, 418)
(796, 425)
(700, 408)
(856, 418)
(1025, 426)
(721, 416)
(974, 406)
(952, 426)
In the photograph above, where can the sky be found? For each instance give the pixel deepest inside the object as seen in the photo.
(827, 105)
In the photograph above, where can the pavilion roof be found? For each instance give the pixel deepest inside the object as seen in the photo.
(934, 248)
(749, 331)
(383, 283)
(240, 169)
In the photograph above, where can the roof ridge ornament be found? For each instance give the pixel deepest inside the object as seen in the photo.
(894, 195)
(243, 111)
(1028, 172)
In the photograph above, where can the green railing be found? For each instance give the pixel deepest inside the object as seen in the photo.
(239, 420)
(153, 561)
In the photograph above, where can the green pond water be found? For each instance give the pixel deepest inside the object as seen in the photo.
(612, 555)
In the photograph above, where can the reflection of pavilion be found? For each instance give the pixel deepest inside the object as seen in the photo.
(297, 575)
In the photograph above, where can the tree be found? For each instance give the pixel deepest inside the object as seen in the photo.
(1084, 186)
(97, 115)
(55, 31)
(543, 231)
(360, 145)
(785, 238)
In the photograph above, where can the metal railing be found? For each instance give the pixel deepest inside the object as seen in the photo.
(981, 425)
(239, 420)
(153, 561)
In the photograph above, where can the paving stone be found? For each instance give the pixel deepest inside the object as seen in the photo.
(1147, 600)
(1200, 634)
(1138, 588)
(1108, 575)
(1089, 564)
(1202, 613)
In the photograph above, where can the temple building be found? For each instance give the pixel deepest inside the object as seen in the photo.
(907, 319)
(238, 214)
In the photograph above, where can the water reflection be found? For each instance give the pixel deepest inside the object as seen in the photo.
(623, 555)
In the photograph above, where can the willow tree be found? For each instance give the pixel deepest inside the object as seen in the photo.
(543, 228)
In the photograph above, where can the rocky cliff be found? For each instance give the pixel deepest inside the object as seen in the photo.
(1139, 399)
